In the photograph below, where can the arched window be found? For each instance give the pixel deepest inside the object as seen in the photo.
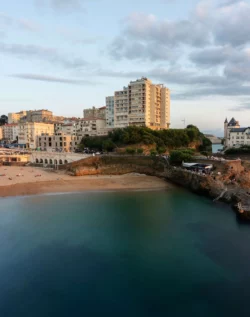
(46, 161)
(65, 162)
(50, 161)
(60, 162)
(41, 161)
(37, 161)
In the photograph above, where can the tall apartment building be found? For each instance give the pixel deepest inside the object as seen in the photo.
(95, 113)
(110, 111)
(29, 131)
(16, 117)
(142, 104)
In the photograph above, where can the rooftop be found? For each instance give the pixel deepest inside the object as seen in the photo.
(239, 129)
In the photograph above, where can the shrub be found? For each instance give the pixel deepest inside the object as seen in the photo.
(178, 156)
(161, 150)
(139, 151)
(130, 150)
(153, 152)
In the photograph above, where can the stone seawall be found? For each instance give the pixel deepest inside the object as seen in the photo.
(204, 185)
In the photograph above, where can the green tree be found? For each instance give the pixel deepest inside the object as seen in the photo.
(139, 151)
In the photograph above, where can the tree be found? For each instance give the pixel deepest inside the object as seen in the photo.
(139, 151)
(108, 145)
(130, 150)
(3, 119)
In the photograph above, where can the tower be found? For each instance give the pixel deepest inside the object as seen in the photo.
(225, 128)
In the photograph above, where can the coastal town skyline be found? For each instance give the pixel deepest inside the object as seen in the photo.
(56, 56)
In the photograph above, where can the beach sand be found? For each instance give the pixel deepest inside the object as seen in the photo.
(19, 181)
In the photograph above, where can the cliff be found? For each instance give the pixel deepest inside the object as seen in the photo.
(117, 165)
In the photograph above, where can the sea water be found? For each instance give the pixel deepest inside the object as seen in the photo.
(158, 253)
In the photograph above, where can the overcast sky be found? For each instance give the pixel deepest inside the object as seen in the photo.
(66, 55)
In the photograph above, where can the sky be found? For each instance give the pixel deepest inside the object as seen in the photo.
(67, 55)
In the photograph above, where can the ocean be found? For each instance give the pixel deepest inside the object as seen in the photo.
(216, 147)
(140, 253)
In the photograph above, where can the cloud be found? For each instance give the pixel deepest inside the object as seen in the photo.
(144, 36)
(245, 106)
(40, 53)
(28, 25)
(7, 22)
(63, 5)
(52, 79)
(74, 37)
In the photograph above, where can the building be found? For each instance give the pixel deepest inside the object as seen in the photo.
(16, 117)
(95, 113)
(84, 127)
(1, 133)
(110, 111)
(58, 142)
(29, 131)
(228, 126)
(142, 104)
(91, 127)
(38, 116)
(10, 132)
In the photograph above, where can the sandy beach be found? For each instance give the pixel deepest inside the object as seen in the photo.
(19, 181)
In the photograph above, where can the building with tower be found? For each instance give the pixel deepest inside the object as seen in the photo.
(234, 135)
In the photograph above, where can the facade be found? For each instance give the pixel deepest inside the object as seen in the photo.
(95, 113)
(58, 142)
(110, 111)
(16, 117)
(10, 132)
(91, 127)
(29, 131)
(38, 116)
(142, 104)
(1, 133)
(228, 126)
(84, 127)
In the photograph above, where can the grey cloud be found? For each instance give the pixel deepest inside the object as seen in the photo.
(230, 90)
(146, 37)
(52, 79)
(74, 37)
(6, 21)
(28, 25)
(242, 107)
(231, 24)
(46, 54)
(63, 5)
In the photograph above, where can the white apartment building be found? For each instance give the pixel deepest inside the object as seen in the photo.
(10, 132)
(29, 131)
(142, 104)
(110, 111)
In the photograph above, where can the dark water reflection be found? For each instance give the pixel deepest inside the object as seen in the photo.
(122, 254)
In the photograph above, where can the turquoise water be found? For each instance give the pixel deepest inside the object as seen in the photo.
(216, 147)
(122, 254)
